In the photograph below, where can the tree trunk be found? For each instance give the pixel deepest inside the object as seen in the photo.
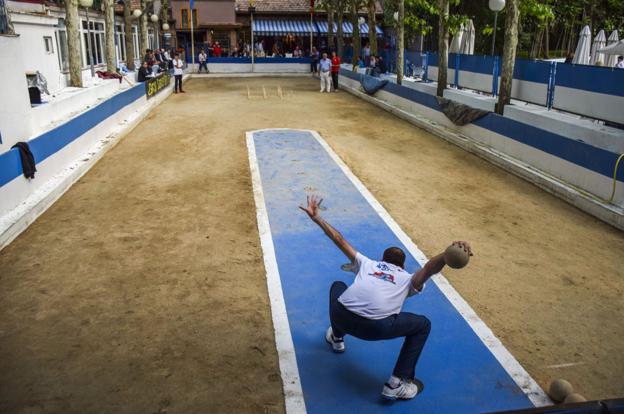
(109, 47)
(356, 33)
(372, 26)
(330, 29)
(443, 39)
(509, 54)
(129, 40)
(143, 28)
(72, 21)
(547, 42)
(400, 41)
(340, 34)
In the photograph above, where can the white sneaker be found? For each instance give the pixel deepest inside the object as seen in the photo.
(337, 344)
(406, 390)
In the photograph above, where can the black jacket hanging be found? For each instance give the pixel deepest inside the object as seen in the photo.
(28, 160)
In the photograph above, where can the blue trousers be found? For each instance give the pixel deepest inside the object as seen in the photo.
(415, 329)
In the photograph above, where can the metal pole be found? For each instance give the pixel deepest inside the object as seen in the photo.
(89, 43)
(192, 42)
(253, 45)
(311, 25)
(494, 34)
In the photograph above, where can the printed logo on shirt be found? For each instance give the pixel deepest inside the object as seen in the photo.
(386, 277)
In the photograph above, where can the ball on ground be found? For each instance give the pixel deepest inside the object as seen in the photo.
(559, 389)
(574, 398)
(456, 257)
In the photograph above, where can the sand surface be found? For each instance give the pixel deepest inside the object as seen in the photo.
(142, 290)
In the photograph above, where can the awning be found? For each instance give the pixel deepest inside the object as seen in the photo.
(347, 29)
(266, 27)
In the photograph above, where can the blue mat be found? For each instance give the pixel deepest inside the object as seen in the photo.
(460, 373)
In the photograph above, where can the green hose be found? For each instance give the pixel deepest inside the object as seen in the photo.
(617, 163)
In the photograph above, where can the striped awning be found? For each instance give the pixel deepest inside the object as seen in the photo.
(347, 29)
(266, 27)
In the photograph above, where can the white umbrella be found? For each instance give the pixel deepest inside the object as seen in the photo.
(468, 39)
(611, 60)
(599, 42)
(616, 49)
(457, 40)
(581, 55)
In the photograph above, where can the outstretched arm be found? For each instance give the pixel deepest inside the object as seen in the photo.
(312, 209)
(433, 266)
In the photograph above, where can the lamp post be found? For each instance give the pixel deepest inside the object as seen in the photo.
(154, 20)
(252, 9)
(495, 6)
(86, 4)
(165, 28)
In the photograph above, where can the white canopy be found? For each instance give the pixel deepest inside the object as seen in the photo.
(600, 41)
(581, 55)
(468, 39)
(611, 60)
(455, 46)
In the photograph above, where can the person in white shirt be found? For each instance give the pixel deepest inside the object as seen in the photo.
(325, 73)
(178, 71)
(620, 62)
(202, 58)
(370, 308)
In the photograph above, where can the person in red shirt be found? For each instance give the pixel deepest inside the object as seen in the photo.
(217, 50)
(335, 70)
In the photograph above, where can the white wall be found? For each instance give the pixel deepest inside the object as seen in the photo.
(15, 108)
(32, 30)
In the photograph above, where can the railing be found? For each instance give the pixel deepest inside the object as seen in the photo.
(590, 91)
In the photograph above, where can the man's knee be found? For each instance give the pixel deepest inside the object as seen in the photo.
(426, 325)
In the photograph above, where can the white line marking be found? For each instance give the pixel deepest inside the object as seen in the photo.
(293, 394)
(521, 377)
(566, 365)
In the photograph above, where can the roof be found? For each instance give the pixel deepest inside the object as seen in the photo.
(283, 6)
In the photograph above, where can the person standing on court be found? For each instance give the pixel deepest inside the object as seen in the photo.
(314, 58)
(370, 309)
(335, 70)
(203, 61)
(178, 71)
(324, 70)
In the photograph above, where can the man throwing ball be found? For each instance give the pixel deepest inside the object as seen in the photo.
(370, 308)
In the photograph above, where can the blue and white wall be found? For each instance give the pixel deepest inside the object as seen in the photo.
(572, 159)
(261, 65)
(63, 153)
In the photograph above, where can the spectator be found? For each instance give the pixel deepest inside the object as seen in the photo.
(381, 65)
(367, 54)
(178, 67)
(216, 50)
(276, 50)
(314, 57)
(325, 68)
(247, 50)
(569, 57)
(335, 70)
(143, 73)
(203, 60)
(297, 52)
(168, 59)
(620, 62)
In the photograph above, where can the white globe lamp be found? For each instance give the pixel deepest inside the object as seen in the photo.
(154, 18)
(86, 3)
(165, 26)
(495, 6)
(136, 13)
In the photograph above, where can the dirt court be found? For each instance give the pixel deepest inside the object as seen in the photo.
(142, 290)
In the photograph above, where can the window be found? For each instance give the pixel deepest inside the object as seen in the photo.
(120, 42)
(93, 52)
(135, 42)
(47, 42)
(186, 24)
(151, 40)
(61, 46)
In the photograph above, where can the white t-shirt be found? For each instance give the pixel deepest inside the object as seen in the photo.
(379, 289)
(620, 65)
(178, 66)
